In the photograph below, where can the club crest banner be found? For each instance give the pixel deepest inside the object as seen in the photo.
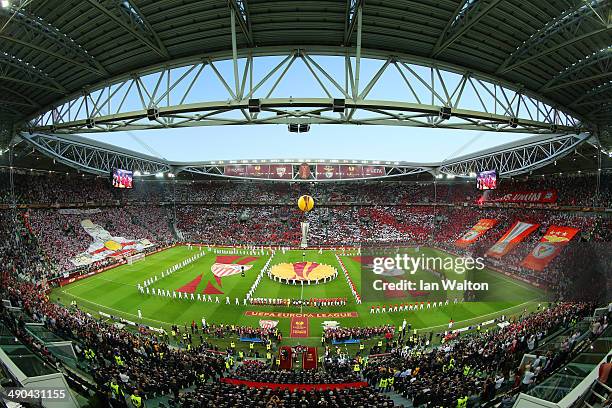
(542, 197)
(517, 233)
(268, 324)
(549, 247)
(104, 245)
(475, 232)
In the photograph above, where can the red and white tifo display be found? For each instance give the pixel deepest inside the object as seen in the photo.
(302, 273)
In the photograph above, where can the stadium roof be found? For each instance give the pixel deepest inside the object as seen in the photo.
(560, 49)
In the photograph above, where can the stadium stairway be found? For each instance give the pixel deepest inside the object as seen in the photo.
(399, 400)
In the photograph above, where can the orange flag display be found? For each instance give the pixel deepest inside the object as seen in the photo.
(474, 233)
(549, 247)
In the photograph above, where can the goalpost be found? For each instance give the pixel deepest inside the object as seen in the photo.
(135, 258)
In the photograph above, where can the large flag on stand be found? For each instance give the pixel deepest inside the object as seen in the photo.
(517, 233)
(285, 355)
(309, 359)
(549, 247)
(475, 232)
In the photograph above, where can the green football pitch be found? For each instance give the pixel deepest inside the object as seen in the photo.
(115, 292)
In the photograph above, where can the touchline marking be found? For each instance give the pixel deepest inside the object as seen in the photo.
(481, 316)
(116, 310)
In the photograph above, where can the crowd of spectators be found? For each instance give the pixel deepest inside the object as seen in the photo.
(357, 333)
(228, 396)
(573, 189)
(258, 371)
(141, 361)
(472, 366)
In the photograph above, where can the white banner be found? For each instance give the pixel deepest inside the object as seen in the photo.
(105, 245)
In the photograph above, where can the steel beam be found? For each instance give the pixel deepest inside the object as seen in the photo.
(350, 19)
(500, 104)
(517, 159)
(241, 8)
(568, 26)
(92, 158)
(129, 18)
(579, 72)
(32, 31)
(464, 18)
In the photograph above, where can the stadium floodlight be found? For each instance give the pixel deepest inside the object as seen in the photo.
(339, 105)
(152, 113)
(254, 105)
(136, 173)
(5, 3)
(445, 113)
(159, 175)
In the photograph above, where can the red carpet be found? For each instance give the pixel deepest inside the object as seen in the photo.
(211, 290)
(191, 286)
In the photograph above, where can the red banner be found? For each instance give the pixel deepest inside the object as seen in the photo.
(299, 327)
(517, 233)
(373, 171)
(351, 171)
(542, 197)
(476, 232)
(328, 172)
(309, 359)
(549, 247)
(285, 355)
(336, 315)
(281, 171)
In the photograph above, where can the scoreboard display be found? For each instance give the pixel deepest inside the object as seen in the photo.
(486, 180)
(122, 178)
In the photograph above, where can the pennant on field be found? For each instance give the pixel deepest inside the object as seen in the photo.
(191, 286)
(227, 265)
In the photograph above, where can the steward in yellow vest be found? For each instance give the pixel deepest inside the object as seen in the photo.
(116, 391)
(136, 399)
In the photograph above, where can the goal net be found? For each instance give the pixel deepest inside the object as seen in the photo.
(135, 258)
